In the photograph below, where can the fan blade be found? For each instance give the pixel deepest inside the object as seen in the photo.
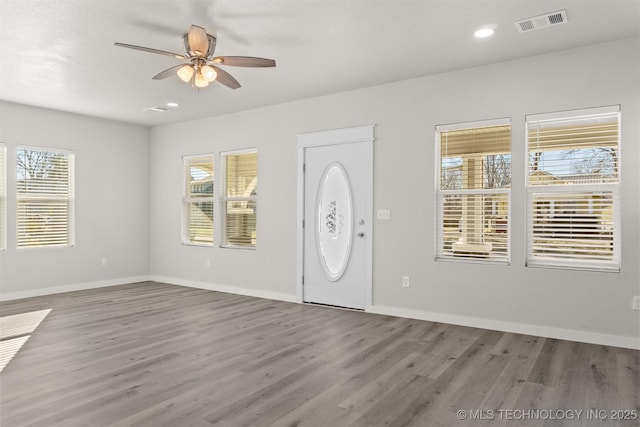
(169, 72)
(244, 61)
(226, 79)
(150, 50)
(198, 41)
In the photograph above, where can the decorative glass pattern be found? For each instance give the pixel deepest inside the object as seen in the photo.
(334, 224)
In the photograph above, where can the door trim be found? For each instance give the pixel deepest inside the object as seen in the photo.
(325, 138)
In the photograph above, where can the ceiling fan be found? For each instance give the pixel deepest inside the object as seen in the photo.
(201, 67)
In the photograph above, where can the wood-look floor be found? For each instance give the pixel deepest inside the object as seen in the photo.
(151, 354)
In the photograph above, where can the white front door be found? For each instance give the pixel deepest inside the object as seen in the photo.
(337, 214)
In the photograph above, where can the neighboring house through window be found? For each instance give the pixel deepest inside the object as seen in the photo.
(573, 189)
(240, 198)
(473, 191)
(44, 198)
(198, 206)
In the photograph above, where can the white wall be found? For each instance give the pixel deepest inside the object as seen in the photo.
(112, 203)
(128, 197)
(583, 305)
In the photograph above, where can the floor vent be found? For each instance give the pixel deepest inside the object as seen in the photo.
(541, 21)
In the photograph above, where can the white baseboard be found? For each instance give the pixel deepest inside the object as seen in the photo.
(518, 328)
(70, 288)
(225, 288)
(163, 279)
(474, 322)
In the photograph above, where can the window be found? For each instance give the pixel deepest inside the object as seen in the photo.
(572, 189)
(3, 197)
(198, 200)
(473, 191)
(44, 193)
(239, 198)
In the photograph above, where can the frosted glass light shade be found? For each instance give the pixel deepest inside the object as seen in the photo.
(209, 73)
(185, 73)
(201, 81)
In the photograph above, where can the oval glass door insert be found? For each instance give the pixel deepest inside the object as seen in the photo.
(334, 222)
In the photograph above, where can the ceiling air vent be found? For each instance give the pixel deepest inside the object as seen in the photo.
(157, 109)
(541, 21)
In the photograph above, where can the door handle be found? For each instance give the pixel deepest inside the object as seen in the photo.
(360, 234)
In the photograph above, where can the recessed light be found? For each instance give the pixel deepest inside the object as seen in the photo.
(484, 32)
(172, 104)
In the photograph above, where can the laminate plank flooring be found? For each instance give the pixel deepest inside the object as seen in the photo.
(151, 354)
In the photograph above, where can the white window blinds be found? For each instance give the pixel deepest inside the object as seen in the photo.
(473, 191)
(3, 197)
(198, 205)
(240, 198)
(572, 189)
(44, 198)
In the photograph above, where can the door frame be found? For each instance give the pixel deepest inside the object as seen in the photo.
(326, 138)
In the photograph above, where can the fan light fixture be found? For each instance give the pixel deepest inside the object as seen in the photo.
(203, 74)
(185, 73)
(209, 73)
(201, 66)
(201, 81)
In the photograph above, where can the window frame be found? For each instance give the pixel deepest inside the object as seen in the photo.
(573, 189)
(187, 198)
(70, 199)
(223, 198)
(440, 194)
(3, 197)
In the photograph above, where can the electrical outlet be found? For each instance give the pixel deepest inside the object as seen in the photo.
(635, 302)
(406, 281)
(104, 261)
(208, 263)
(384, 214)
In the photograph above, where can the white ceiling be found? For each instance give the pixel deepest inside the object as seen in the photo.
(60, 54)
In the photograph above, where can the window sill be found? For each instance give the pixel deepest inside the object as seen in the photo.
(555, 265)
(246, 248)
(468, 260)
(198, 245)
